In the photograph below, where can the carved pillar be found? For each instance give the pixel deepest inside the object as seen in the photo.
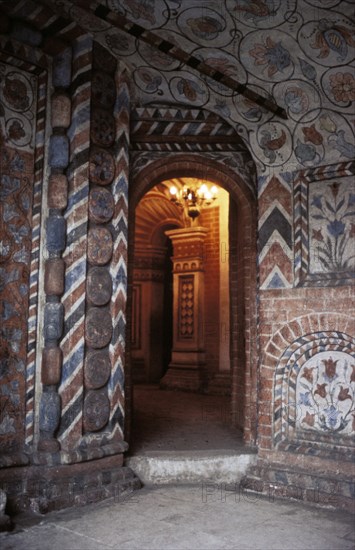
(188, 355)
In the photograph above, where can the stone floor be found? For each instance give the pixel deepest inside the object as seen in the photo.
(200, 517)
(167, 420)
(206, 515)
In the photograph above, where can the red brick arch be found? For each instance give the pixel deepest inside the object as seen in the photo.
(243, 274)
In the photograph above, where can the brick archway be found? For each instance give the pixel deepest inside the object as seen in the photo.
(243, 273)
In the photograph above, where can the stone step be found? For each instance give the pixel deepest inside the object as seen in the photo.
(191, 467)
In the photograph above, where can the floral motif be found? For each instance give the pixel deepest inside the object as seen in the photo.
(343, 86)
(16, 94)
(325, 393)
(332, 236)
(272, 54)
(332, 37)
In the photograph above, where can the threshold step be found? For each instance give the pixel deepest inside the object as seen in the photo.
(183, 467)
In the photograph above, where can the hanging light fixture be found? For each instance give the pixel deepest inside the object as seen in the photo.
(192, 198)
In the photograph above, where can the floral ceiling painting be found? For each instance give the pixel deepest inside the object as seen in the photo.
(297, 52)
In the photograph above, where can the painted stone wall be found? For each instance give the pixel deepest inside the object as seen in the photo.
(19, 108)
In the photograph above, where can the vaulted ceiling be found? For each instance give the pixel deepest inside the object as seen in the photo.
(250, 62)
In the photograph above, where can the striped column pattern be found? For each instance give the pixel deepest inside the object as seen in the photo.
(75, 257)
(34, 269)
(118, 268)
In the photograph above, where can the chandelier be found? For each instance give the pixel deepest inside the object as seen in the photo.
(192, 198)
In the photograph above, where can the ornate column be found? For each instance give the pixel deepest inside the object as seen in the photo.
(188, 355)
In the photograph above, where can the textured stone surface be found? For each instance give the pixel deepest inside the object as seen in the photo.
(103, 89)
(103, 128)
(96, 410)
(102, 166)
(101, 205)
(98, 327)
(56, 227)
(51, 365)
(99, 286)
(54, 277)
(58, 151)
(61, 110)
(49, 412)
(57, 191)
(26, 34)
(62, 69)
(97, 369)
(100, 245)
(53, 321)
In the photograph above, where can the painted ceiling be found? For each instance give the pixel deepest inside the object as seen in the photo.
(298, 53)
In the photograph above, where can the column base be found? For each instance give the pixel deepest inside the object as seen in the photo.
(183, 378)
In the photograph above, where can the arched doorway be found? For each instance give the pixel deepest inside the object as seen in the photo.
(241, 254)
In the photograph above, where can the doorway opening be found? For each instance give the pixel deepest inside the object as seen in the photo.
(176, 418)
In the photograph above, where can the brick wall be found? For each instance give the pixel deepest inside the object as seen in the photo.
(209, 218)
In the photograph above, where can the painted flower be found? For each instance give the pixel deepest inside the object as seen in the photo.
(309, 419)
(330, 368)
(336, 228)
(334, 187)
(311, 134)
(317, 201)
(343, 394)
(317, 235)
(305, 399)
(343, 86)
(332, 414)
(307, 374)
(321, 391)
(272, 54)
(16, 131)
(189, 89)
(16, 94)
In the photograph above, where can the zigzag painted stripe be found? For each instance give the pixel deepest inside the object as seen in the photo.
(275, 234)
(34, 268)
(72, 344)
(118, 267)
(301, 231)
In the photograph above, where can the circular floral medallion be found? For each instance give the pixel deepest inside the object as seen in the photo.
(97, 369)
(99, 286)
(101, 205)
(100, 245)
(98, 328)
(96, 411)
(102, 166)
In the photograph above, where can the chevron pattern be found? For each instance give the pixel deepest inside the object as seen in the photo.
(159, 129)
(71, 387)
(275, 234)
(118, 267)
